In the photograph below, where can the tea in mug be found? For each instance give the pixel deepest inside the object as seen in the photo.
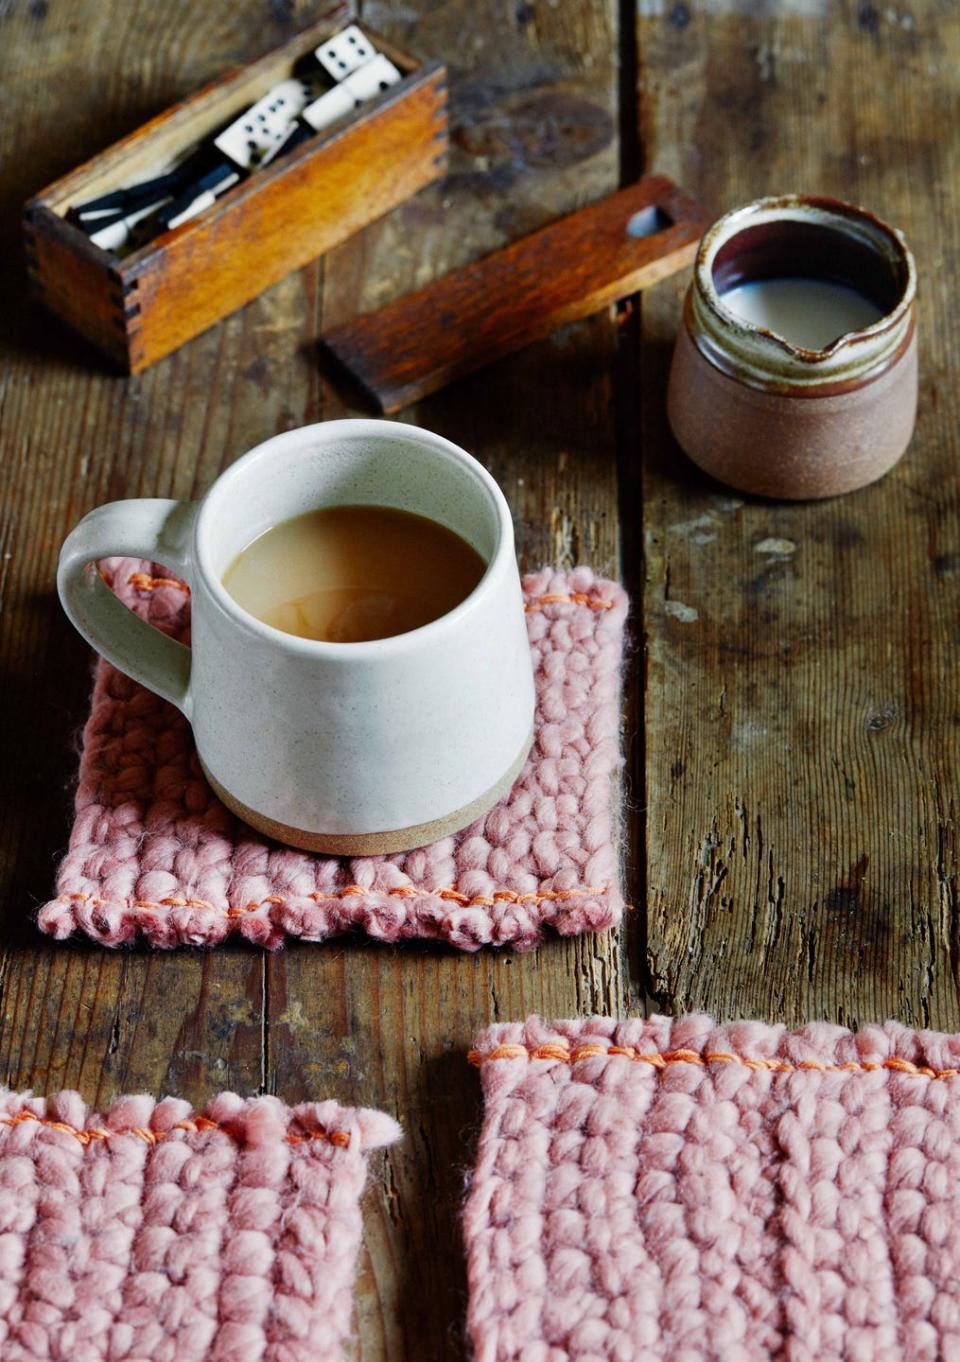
(349, 574)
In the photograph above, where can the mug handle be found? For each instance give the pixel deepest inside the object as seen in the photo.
(153, 528)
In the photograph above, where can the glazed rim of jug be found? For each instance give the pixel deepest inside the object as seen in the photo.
(807, 236)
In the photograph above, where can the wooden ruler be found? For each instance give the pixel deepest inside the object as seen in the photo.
(572, 268)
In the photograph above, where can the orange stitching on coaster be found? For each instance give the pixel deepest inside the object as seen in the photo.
(574, 598)
(558, 1051)
(402, 891)
(144, 582)
(193, 1125)
(338, 1137)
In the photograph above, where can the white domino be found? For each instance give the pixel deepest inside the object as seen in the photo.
(329, 107)
(365, 83)
(117, 234)
(202, 202)
(257, 136)
(345, 52)
(372, 78)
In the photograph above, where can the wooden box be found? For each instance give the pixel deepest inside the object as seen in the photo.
(139, 307)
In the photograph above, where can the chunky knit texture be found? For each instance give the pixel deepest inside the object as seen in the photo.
(675, 1190)
(156, 1233)
(153, 851)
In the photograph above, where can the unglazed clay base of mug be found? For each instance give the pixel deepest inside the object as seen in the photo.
(374, 843)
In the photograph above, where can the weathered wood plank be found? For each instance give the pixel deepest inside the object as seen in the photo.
(533, 130)
(801, 715)
(536, 123)
(74, 79)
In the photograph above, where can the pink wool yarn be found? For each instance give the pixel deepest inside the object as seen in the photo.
(154, 1232)
(676, 1190)
(153, 851)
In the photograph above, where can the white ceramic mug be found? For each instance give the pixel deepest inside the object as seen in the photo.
(349, 748)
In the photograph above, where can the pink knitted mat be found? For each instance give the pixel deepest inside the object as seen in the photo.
(156, 1233)
(153, 851)
(674, 1190)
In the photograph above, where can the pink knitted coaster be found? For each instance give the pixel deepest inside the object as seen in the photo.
(153, 851)
(680, 1191)
(156, 1233)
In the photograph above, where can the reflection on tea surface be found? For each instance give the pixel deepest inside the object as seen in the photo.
(349, 574)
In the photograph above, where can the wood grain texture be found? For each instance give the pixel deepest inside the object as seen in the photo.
(564, 272)
(75, 280)
(535, 135)
(802, 729)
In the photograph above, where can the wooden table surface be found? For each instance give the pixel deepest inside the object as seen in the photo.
(792, 720)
